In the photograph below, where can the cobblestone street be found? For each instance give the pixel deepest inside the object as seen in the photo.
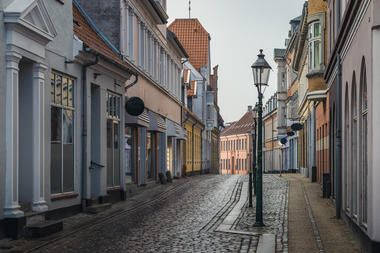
(185, 218)
(207, 213)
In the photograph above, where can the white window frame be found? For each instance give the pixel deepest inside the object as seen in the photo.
(130, 26)
(313, 40)
(63, 107)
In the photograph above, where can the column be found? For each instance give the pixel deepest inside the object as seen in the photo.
(39, 203)
(11, 206)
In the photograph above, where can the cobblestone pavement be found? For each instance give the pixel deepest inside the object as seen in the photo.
(171, 225)
(275, 212)
(182, 220)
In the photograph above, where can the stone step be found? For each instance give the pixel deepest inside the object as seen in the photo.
(34, 218)
(94, 209)
(45, 228)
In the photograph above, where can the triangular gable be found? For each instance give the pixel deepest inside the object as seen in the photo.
(31, 14)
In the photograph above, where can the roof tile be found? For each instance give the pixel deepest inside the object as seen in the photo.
(243, 126)
(194, 38)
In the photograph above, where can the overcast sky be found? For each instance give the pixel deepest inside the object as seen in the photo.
(238, 29)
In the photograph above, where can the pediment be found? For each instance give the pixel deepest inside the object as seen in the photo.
(31, 14)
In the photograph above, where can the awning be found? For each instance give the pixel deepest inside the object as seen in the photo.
(175, 130)
(156, 123)
(171, 129)
(181, 133)
(141, 120)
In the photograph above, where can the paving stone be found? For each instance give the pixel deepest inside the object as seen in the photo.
(183, 220)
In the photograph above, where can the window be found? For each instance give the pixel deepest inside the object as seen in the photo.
(155, 60)
(315, 46)
(130, 34)
(62, 134)
(141, 45)
(346, 150)
(113, 140)
(161, 71)
(167, 79)
(363, 144)
(354, 148)
(283, 80)
(150, 54)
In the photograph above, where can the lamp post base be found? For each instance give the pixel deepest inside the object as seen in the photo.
(259, 224)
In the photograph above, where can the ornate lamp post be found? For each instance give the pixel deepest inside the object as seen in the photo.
(254, 147)
(261, 71)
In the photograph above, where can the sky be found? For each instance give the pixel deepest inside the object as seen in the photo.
(238, 29)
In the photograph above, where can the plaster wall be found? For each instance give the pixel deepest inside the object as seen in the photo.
(361, 47)
(156, 100)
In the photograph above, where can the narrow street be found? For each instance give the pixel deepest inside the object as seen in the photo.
(206, 213)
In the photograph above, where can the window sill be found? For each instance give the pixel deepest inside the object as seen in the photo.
(61, 196)
(315, 73)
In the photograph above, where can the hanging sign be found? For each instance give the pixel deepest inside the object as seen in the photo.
(134, 106)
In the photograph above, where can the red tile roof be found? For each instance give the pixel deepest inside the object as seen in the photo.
(194, 38)
(84, 31)
(243, 126)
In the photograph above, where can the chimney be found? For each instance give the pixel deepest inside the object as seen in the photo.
(250, 108)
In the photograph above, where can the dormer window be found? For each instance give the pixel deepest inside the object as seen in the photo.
(315, 46)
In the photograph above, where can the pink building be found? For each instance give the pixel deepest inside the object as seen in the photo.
(236, 145)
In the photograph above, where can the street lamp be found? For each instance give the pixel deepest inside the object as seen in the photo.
(261, 70)
(253, 157)
(254, 147)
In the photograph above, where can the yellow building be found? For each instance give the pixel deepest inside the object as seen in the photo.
(193, 146)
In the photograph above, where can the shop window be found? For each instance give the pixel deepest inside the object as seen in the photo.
(62, 134)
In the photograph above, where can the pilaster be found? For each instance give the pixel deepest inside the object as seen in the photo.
(39, 203)
(11, 206)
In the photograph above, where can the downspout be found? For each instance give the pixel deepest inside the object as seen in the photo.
(185, 161)
(192, 148)
(133, 83)
(338, 156)
(84, 125)
(203, 141)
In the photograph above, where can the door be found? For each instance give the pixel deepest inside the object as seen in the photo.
(113, 153)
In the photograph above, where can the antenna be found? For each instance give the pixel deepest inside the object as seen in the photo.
(189, 9)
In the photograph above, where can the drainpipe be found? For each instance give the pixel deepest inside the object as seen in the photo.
(192, 147)
(84, 124)
(338, 155)
(183, 124)
(133, 83)
(202, 161)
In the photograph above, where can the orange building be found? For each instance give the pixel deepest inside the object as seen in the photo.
(236, 145)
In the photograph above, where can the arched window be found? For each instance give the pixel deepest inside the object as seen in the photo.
(363, 103)
(354, 147)
(346, 150)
